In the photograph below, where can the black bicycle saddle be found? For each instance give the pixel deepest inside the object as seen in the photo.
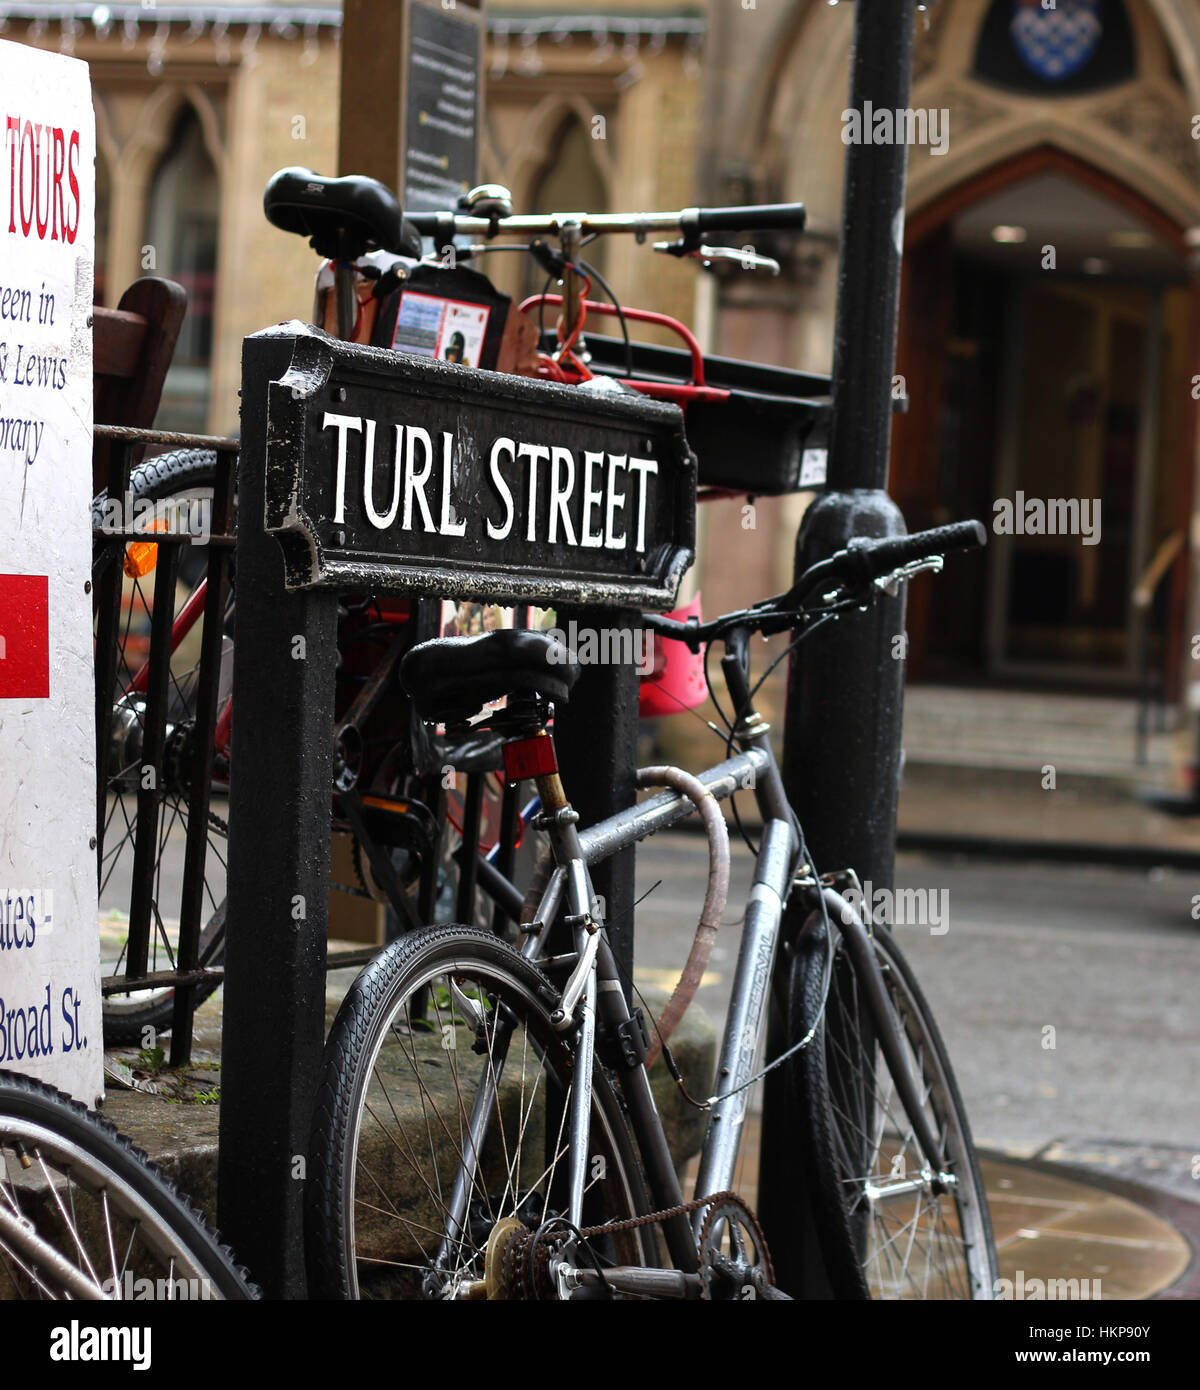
(450, 679)
(342, 218)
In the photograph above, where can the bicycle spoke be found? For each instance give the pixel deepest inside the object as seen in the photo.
(910, 1237)
(453, 1140)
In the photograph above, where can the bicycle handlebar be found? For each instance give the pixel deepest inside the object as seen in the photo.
(864, 560)
(874, 558)
(763, 217)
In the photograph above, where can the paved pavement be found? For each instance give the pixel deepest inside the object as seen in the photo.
(1108, 959)
(941, 805)
(1067, 998)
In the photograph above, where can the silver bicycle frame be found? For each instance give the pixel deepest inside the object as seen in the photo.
(594, 991)
(774, 871)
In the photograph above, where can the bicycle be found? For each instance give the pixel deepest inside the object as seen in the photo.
(485, 1126)
(389, 792)
(85, 1215)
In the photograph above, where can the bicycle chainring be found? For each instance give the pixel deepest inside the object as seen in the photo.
(734, 1261)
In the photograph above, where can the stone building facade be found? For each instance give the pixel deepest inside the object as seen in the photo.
(1054, 374)
(198, 104)
(1049, 312)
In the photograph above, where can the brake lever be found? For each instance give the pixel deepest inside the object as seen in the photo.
(745, 257)
(890, 583)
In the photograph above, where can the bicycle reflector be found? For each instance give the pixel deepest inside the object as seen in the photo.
(142, 556)
(529, 757)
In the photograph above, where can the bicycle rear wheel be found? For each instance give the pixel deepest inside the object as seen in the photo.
(885, 1227)
(442, 1022)
(85, 1215)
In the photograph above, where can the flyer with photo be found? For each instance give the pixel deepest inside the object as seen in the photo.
(450, 329)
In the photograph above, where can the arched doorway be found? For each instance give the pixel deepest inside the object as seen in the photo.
(1046, 334)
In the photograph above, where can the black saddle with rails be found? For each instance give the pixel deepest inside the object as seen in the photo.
(450, 679)
(342, 218)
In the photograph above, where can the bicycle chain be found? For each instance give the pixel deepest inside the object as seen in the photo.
(655, 1216)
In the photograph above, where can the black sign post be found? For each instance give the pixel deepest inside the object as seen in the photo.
(364, 470)
(412, 97)
(841, 751)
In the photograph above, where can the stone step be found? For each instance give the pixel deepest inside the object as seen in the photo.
(1021, 730)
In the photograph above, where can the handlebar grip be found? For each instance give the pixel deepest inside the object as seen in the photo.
(878, 557)
(766, 217)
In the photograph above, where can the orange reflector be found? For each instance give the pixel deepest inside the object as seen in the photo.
(384, 803)
(142, 556)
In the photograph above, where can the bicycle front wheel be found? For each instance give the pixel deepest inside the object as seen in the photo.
(438, 1165)
(887, 1227)
(85, 1215)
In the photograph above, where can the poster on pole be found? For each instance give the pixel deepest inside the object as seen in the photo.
(50, 1023)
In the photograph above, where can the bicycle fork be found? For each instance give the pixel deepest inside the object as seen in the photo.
(886, 1025)
(593, 989)
(576, 1008)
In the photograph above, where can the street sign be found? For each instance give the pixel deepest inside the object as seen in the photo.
(388, 470)
(49, 946)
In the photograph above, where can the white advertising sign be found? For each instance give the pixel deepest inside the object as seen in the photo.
(49, 946)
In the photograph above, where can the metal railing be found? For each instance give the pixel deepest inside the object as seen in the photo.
(154, 689)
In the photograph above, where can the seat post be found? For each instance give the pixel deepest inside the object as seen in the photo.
(345, 297)
(535, 756)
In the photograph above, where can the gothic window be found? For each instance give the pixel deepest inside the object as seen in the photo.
(1056, 47)
(181, 244)
(570, 181)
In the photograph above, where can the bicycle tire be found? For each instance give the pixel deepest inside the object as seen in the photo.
(96, 1218)
(855, 1135)
(373, 1039)
(132, 1019)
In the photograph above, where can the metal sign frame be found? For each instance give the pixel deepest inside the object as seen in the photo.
(484, 482)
